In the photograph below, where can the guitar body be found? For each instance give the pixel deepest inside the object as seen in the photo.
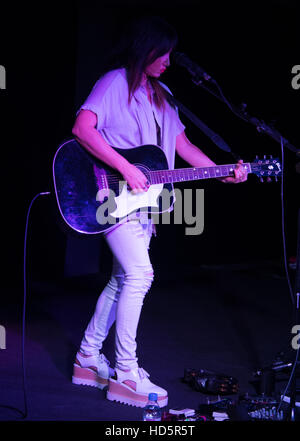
(92, 197)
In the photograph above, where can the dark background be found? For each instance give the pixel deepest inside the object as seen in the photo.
(236, 313)
(53, 54)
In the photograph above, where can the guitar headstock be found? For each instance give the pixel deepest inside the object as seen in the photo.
(266, 168)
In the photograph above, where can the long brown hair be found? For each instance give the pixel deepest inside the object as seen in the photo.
(147, 38)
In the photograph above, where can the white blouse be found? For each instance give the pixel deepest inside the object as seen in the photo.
(124, 125)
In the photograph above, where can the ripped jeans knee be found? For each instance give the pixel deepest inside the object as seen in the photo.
(139, 280)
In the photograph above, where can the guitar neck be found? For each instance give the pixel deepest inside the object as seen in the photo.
(194, 173)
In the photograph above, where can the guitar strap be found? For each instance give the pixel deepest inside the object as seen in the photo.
(200, 124)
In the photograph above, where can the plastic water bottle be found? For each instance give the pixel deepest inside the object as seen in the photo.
(152, 411)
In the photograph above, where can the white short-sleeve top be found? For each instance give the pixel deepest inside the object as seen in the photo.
(125, 125)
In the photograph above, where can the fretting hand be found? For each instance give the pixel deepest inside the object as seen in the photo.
(240, 175)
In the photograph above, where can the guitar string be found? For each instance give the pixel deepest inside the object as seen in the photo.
(114, 179)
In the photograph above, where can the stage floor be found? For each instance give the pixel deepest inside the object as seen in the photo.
(226, 318)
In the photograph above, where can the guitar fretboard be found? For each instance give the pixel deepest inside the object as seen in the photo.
(194, 173)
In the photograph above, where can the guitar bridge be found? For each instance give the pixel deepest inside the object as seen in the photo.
(102, 184)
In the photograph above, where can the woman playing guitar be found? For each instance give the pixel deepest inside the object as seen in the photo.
(127, 108)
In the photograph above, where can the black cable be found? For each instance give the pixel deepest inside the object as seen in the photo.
(286, 269)
(283, 224)
(24, 303)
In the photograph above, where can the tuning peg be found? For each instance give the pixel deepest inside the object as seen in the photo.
(276, 179)
(269, 179)
(271, 156)
(265, 156)
(261, 179)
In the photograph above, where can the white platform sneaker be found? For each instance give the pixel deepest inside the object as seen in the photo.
(133, 387)
(92, 370)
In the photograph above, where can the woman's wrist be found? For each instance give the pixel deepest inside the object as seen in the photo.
(123, 166)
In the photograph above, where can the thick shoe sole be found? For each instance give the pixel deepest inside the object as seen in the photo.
(88, 377)
(122, 393)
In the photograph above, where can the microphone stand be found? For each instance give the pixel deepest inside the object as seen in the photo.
(242, 113)
(201, 80)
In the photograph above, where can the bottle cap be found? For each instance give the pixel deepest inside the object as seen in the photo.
(152, 397)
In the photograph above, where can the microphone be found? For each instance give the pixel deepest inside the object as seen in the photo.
(197, 71)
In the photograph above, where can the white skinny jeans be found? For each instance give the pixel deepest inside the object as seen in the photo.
(122, 299)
